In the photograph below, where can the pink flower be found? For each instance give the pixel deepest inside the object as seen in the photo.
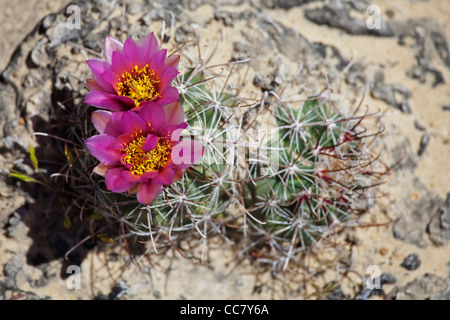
(132, 74)
(142, 151)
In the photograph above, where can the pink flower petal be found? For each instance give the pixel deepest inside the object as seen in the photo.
(120, 63)
(101, 169)
(178, 174)
(128, 102)
(111, 44)
(134, 52)
(150, 143)
(153, 113)
(111, 78)
(104, 100)
(115, 182)
(149, 46)
(149, 175)
(101, 119)
(157, 61)
(122, 141)
(102, 148)
(131, 177)
(131, 122)
(165, 176)
(173, 61)
(116, 117)
(174, 131)
(148, 191)
(92, 84)
(98, 68)
(186, 153)
(174, 113)
(167, 77)
(169, 95)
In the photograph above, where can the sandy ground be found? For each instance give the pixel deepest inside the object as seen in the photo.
(226, 278)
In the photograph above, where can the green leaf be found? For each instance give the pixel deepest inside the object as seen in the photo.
(33, 158)
(94, 216)
(104, 237)
(68, 154)
(22, 177)
(67, 222)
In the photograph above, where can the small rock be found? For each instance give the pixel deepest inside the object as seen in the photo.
(194, 4)
(352, 239)
(440, 43)
(225, 17)
(395, 95)
(384, 251)
(439, 226)
(182, 33)
(157, 294)
(387, 278)
(285, 4)
(104, 7)
(258, 289)
(47, 22)
(418, 126)
(119, 290)
(288, 40)
(238, 282)
(337, 15)
(411, 262)
(412, 228)
(61, 34)
(423, 143)
(10, 271)
(260, 82)
(134, 8)
(366, 293)
(445, 295)
(13, 222)
(38, 55)
(423, 288)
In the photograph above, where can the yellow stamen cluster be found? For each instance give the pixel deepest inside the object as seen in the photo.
(146, 161)
(139, 85)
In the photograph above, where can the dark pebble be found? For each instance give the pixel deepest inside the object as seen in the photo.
(423, 143)
(387, 278)
(119, 290)
(418, 126)
(411, 262)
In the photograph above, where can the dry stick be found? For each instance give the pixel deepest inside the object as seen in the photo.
(56, 137)
(174, 246)
(126, 242)
(82, 209)
(66, 256)
(204, 80)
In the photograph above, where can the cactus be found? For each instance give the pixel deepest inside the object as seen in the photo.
(281, 172)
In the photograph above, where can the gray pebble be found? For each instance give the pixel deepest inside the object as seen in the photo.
(423, 143)
(411, 262)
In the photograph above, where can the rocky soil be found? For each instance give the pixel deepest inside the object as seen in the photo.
(402, 69)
